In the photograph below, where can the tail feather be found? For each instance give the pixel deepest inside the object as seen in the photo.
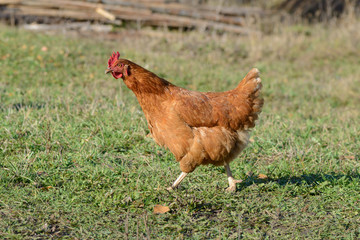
(251, 86)
(251, 81)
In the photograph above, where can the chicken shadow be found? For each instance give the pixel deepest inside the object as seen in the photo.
(308, 180)
(313, 184)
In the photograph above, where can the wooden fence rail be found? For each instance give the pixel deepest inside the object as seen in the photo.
(158, 13)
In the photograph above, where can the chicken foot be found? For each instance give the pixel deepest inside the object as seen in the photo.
(177, 181)
(232, 181)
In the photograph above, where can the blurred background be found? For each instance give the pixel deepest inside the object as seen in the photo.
(234, 16)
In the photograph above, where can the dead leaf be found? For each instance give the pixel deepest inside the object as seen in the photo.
(262, 176)
(161, 209)
(5, 56)
(46, 188)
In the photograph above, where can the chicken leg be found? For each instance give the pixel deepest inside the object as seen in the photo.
(177, 181)
(232, 181)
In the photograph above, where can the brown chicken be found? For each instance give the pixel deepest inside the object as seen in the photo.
(197, 127)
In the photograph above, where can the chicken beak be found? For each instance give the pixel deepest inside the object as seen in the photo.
(108, 70)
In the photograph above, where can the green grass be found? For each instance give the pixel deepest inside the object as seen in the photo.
(75, 162)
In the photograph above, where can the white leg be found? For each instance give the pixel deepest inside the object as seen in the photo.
(232, 181)
(178, 181)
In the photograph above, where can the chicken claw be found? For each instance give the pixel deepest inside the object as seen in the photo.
(232, 181)
(177, 181)
(232, 184)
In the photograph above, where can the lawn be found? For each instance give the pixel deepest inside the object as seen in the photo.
(76, 162)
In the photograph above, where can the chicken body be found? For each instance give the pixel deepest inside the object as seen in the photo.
(198, 128)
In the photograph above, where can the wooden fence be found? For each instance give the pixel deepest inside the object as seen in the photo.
(159, 13)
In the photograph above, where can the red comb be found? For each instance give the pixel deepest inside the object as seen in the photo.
(113, 58)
